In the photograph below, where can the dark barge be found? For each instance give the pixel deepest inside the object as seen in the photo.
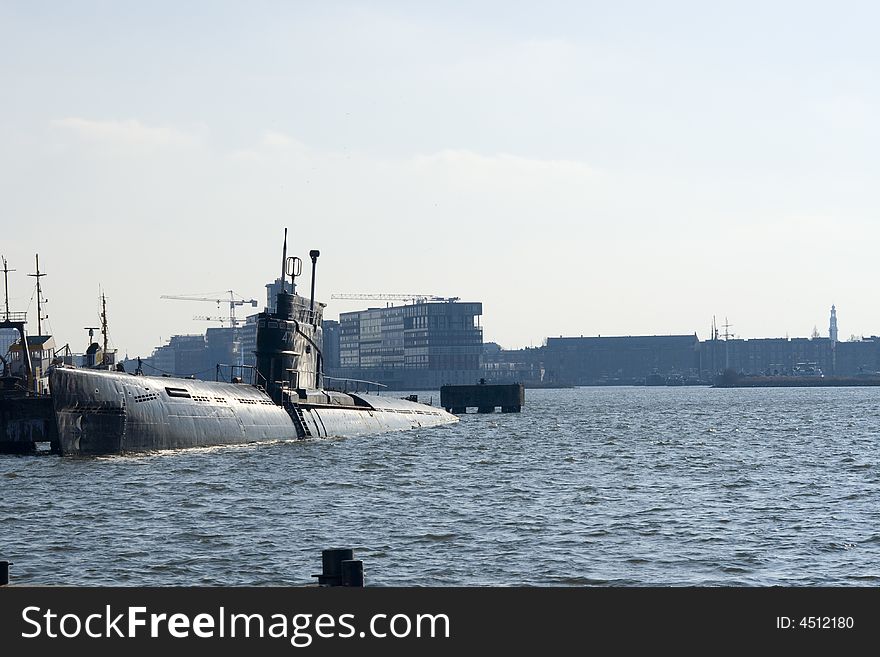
(27, 425)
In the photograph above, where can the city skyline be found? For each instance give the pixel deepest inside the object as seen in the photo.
(720, 328)
(582, 168)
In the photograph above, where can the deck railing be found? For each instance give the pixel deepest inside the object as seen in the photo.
(17, 318)
(357, 383)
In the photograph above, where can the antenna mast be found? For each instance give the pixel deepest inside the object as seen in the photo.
(38, 276)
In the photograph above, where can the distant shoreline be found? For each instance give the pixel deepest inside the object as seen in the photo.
(796, 382)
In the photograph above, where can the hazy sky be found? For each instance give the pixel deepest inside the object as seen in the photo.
(579, 167)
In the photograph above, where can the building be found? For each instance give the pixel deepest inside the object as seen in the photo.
(768, 356)
(223, 346)
(331, 344)
(418, 346)
(184, 355)
(247, 336)
(620, 359)
(632, 359)
(858, 357)
(513, 365)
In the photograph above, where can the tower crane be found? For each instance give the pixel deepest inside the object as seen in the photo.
(232, 301)
(218, 318)
(415, 298)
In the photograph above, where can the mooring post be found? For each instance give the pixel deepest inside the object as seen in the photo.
(353, 572)
(340, 568)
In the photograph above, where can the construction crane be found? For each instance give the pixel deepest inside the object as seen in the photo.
(232, 301)
(223, 320)
(415, 298)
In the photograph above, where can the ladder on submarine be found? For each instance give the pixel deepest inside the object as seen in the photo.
(299, 420)
(296, 414)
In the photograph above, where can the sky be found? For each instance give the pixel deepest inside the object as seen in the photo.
(581, 168)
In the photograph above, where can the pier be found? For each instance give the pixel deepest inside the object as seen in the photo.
(484, 397)
(340, 568)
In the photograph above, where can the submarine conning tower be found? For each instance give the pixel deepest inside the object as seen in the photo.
(290, 341)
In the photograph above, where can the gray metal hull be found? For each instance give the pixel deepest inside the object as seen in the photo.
(100, 412)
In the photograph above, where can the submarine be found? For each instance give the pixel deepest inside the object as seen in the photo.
(102, 412)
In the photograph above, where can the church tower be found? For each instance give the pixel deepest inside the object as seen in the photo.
(832, 327)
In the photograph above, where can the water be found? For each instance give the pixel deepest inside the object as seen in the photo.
(587, 486)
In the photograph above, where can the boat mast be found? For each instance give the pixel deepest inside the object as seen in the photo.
(38, 276)
(6, 271)
(104, 326)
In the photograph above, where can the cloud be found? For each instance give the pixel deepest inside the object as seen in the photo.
(512, 169)
(452, 186)
(272, 139)
(127, 133)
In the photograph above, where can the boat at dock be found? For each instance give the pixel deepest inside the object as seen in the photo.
(101, 412)
(27, 421)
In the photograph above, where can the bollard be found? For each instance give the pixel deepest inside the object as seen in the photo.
(4, 572)
(332, 560)
(353, 572)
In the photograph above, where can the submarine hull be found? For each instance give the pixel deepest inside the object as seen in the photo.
(102, 412)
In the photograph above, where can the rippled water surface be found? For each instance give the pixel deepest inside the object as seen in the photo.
(587, 486)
